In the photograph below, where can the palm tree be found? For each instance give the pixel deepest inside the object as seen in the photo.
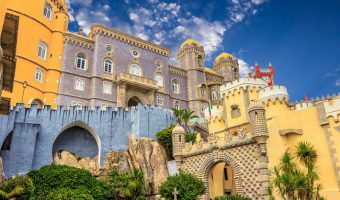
(178, 114)
(187, 115)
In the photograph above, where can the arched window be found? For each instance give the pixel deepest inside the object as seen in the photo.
(107, 87)
(235, 72)
(175, 86)
(108, 66)
(214, 95)
(42, 50)
(159, 100)
(80, 84)
(48, 11)
(199, 60)
(176, 104)
(159, 80)
(39, 74)
(81, 61)
(202, 91)
(135, 70)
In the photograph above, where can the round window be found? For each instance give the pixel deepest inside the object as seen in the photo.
(109, 48)
(135, 53)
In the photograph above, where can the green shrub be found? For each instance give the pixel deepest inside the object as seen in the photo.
(188, 186)
(165, 139)
(127, 185)
(20, 187)
(68, 194)
(190, 137)
(232, 197)
(66, 179)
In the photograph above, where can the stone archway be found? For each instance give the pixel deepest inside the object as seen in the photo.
(221, 180)
(134, 101)
(78, 138)
(212, 161)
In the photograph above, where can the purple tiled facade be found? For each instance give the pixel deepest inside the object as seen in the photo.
(151, 59)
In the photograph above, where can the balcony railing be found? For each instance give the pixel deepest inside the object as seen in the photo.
(137, 81)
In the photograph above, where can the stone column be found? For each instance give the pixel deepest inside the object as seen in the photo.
(121, 95)
(151, 97)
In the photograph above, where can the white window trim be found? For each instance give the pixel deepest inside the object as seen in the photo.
(162, 77)
(108, 83)
(45, 52)
(177, 87)
(140, 69)
(161, 102)
(179, 104)
(42, 75)
(75, 84)
(50, 11)
(112, 65)
(85, 61)
(78, 105)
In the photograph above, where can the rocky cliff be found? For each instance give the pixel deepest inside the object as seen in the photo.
(145, 154)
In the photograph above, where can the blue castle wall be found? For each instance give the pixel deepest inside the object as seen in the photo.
(34, 132)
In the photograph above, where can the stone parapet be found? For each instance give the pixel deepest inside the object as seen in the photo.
(273, 93)
(242, 83)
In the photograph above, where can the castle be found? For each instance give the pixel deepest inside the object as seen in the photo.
(250, 125)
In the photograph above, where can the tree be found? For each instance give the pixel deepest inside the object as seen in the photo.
(127, 185)
(187, 115)
(188, 186)
(20, 187)
(178, 114)
(49, 180)
(292, 182)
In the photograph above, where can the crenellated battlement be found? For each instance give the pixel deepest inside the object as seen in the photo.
(216, 113)
(244, 84)
(273, 94)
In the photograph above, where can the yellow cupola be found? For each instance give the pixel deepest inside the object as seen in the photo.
(225, 56)
(190, 42)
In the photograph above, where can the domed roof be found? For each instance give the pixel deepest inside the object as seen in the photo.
(225, 56)
(178, 129)
(190, 42)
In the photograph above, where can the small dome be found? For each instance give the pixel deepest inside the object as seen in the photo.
(225, 56)
(190, 42)
(178, 129)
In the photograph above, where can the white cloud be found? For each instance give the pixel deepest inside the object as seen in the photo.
(244, 68)
(337, 82)
(257, 2)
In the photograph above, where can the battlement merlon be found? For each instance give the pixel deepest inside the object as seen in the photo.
(216, 112)
(242, 83)
(273, 93)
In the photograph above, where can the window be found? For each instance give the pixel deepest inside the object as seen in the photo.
(235, 72)
(159, 80)
(81, 61)
(214, 95)
(175, 86)
(135, 70)
(80, 84)
(42, 50)
(159, 100)
(225, 173)
(48, 11)
(108, 66)
(235, 111)
(176, 104)
(39, 75)
(109, 48)
(199, 60)
(107, 87)
(202, 91)
(202, 107)
(135, 53)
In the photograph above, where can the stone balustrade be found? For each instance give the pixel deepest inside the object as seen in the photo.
(136, 81)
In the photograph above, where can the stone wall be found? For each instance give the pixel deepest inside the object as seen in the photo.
(35, 131)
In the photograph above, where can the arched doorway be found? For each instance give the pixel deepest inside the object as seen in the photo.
(134, 101)
(76, 140)
(221, 180)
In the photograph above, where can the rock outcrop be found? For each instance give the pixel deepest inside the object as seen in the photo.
(145, 154)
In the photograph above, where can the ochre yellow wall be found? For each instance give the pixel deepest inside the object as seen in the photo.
(35, 27)
(217, 183)
(281, 117)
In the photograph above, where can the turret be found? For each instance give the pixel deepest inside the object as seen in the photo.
(178, 144)
(258, 123)
(227, 65)
(191, 57)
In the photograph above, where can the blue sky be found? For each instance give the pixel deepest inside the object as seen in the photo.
(300, 38)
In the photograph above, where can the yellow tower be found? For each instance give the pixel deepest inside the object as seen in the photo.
(39, 50)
